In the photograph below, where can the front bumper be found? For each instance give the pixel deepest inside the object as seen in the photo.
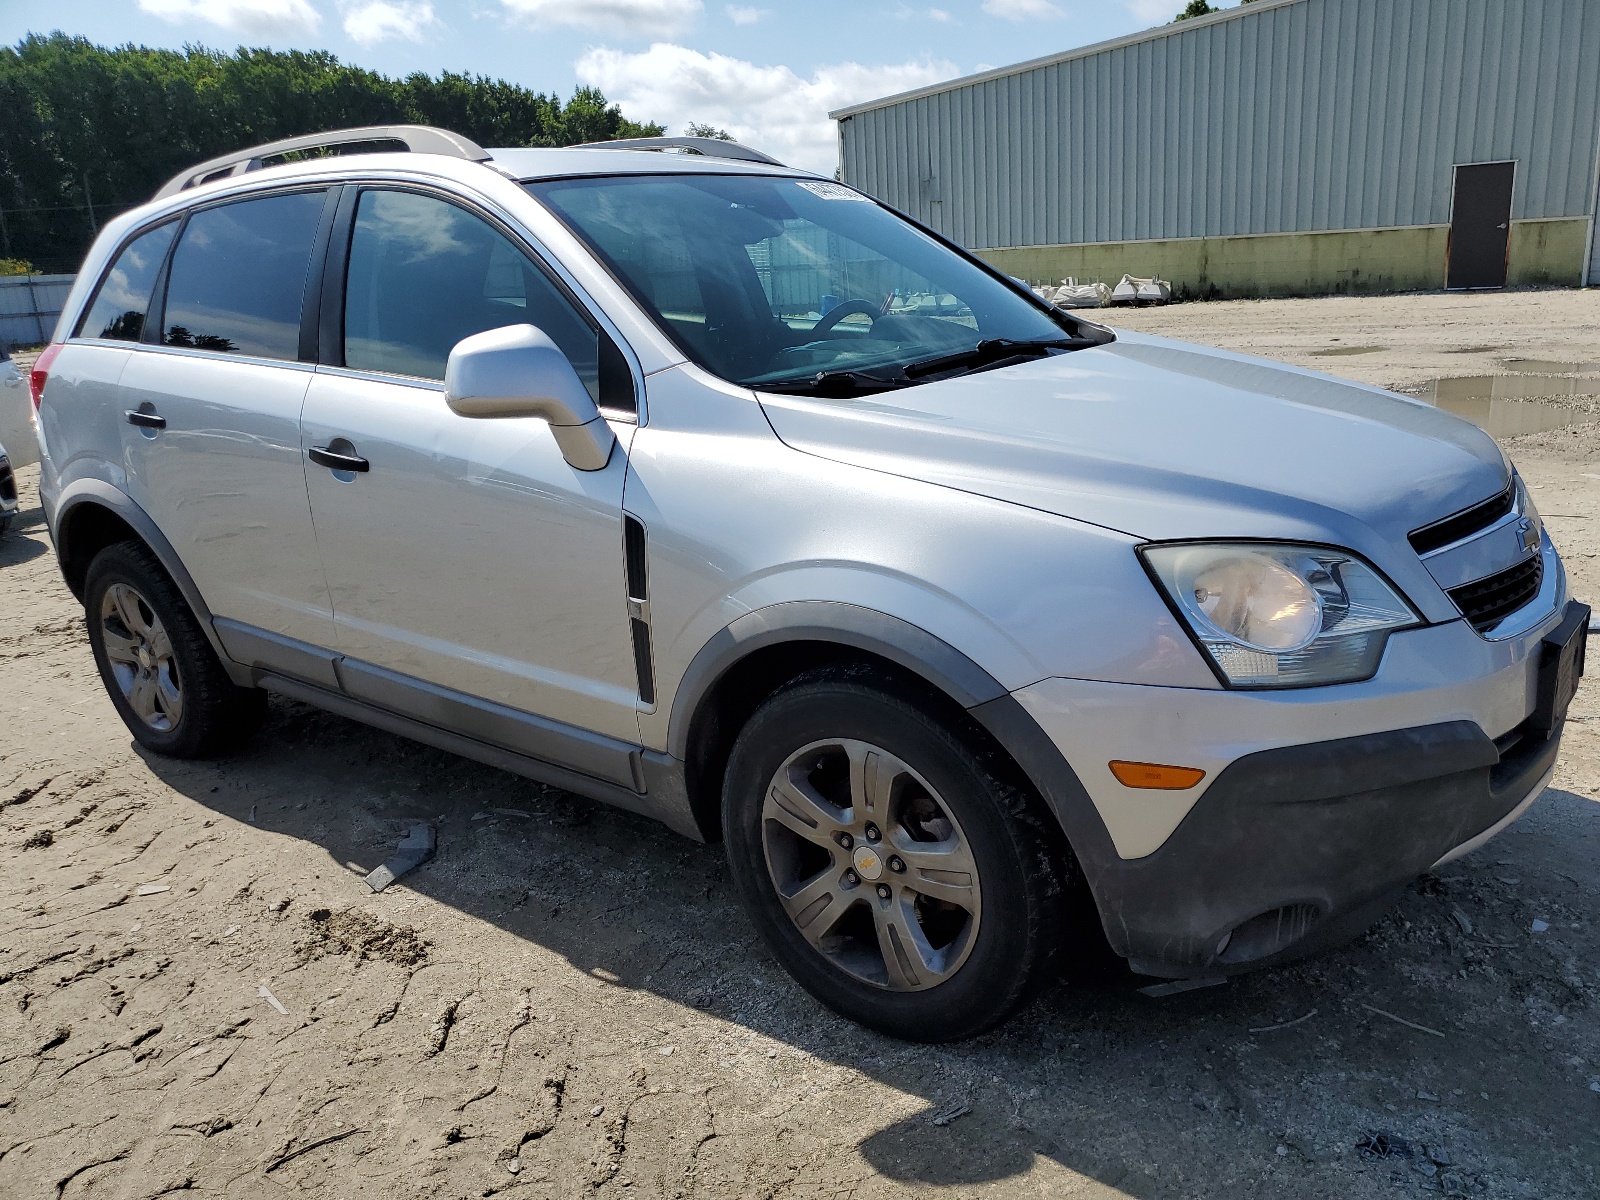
(1319, 804)
(1301, 847)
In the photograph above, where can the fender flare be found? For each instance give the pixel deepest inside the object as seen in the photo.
(904, 644)
(104, 495)
(931, 658)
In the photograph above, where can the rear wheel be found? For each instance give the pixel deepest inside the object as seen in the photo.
(894, 875)
(161, 673)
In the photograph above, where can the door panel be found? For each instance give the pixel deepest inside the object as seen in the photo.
(1480, 225)
(471, 555)
(224, 481)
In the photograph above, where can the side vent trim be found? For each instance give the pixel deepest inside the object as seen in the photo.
(638, 582)
(633, 546)
(641, 661)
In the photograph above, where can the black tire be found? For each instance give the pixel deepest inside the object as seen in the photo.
(1022, 864)
(215, 714)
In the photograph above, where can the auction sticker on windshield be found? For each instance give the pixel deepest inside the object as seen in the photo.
(832, 191)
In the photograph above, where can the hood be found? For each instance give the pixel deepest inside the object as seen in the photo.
(1161, 440)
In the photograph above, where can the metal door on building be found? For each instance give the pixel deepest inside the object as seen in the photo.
(1480, 225)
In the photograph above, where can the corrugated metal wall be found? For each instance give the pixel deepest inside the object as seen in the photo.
(1315, 115)
(29, 306)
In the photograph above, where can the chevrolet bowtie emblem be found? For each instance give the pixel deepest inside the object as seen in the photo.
(1530, 535)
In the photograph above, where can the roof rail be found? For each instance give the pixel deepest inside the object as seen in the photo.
(710, 147)
(419, 139)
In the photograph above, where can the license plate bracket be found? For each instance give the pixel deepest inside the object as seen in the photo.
(1561, 662)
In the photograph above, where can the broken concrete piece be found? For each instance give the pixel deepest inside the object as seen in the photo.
(1176, 986)
(415, 848)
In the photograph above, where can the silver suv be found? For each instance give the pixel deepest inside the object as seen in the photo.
(720, 492)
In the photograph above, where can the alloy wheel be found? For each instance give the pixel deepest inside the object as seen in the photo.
(140, 654)
(871, 865)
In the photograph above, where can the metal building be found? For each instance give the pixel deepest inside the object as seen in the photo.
(1281, 147)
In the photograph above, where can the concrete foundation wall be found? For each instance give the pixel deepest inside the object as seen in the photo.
(1547, 252)
(1301, 264)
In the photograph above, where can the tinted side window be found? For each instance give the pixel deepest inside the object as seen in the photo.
(424, 274)
(238, 276)
(124, 297)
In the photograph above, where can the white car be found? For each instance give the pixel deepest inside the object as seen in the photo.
(718, 491)
(16, 413)
(16, 431)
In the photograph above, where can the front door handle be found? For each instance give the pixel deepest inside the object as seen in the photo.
(334, 460)
(146, 418)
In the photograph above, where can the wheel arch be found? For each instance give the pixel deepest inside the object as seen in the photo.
(92, 515)
(759, 652)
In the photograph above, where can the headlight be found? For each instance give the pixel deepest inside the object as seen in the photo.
(1280, 615)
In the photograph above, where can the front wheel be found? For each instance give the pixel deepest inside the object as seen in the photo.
(893, 874)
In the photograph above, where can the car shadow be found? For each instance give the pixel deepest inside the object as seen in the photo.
(1431, 1030)
(15, 546)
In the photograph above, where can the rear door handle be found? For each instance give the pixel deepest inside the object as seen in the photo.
(146, 419)
(324, 456)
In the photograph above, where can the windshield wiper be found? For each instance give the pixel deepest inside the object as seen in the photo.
(992, 352)
(833, 384)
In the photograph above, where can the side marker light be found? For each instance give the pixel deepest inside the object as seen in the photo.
(1155, 776)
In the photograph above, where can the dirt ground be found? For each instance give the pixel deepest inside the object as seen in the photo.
(198, 993)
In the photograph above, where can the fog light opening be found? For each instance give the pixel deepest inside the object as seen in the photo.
(1267, 934)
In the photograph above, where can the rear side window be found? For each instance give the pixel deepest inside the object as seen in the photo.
(123, 300)
(239, 274)
(424, 274)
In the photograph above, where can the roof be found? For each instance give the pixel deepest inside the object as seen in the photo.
(643, 155)
(533, 163)
(1249, 9)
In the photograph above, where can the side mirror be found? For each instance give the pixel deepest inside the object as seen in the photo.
(517, 371)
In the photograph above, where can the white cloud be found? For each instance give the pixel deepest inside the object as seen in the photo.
(938, 14)
(1021, 10)
(261, 18)
(621, 18)
(1153, 12)
(739, 14)
(768, 107)
(379, 20)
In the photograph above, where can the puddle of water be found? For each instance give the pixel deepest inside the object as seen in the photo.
(1544, 366)
(1345, 351)
(1508, 405)
(1445, 392)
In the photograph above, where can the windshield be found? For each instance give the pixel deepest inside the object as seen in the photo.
(777, 282)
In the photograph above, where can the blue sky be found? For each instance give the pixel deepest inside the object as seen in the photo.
(767, 70)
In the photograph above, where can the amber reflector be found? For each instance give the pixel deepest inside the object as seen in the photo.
(1151, 775)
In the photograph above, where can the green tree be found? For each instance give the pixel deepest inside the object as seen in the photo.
(1199, 8)
(89, 131)
(699, 129)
